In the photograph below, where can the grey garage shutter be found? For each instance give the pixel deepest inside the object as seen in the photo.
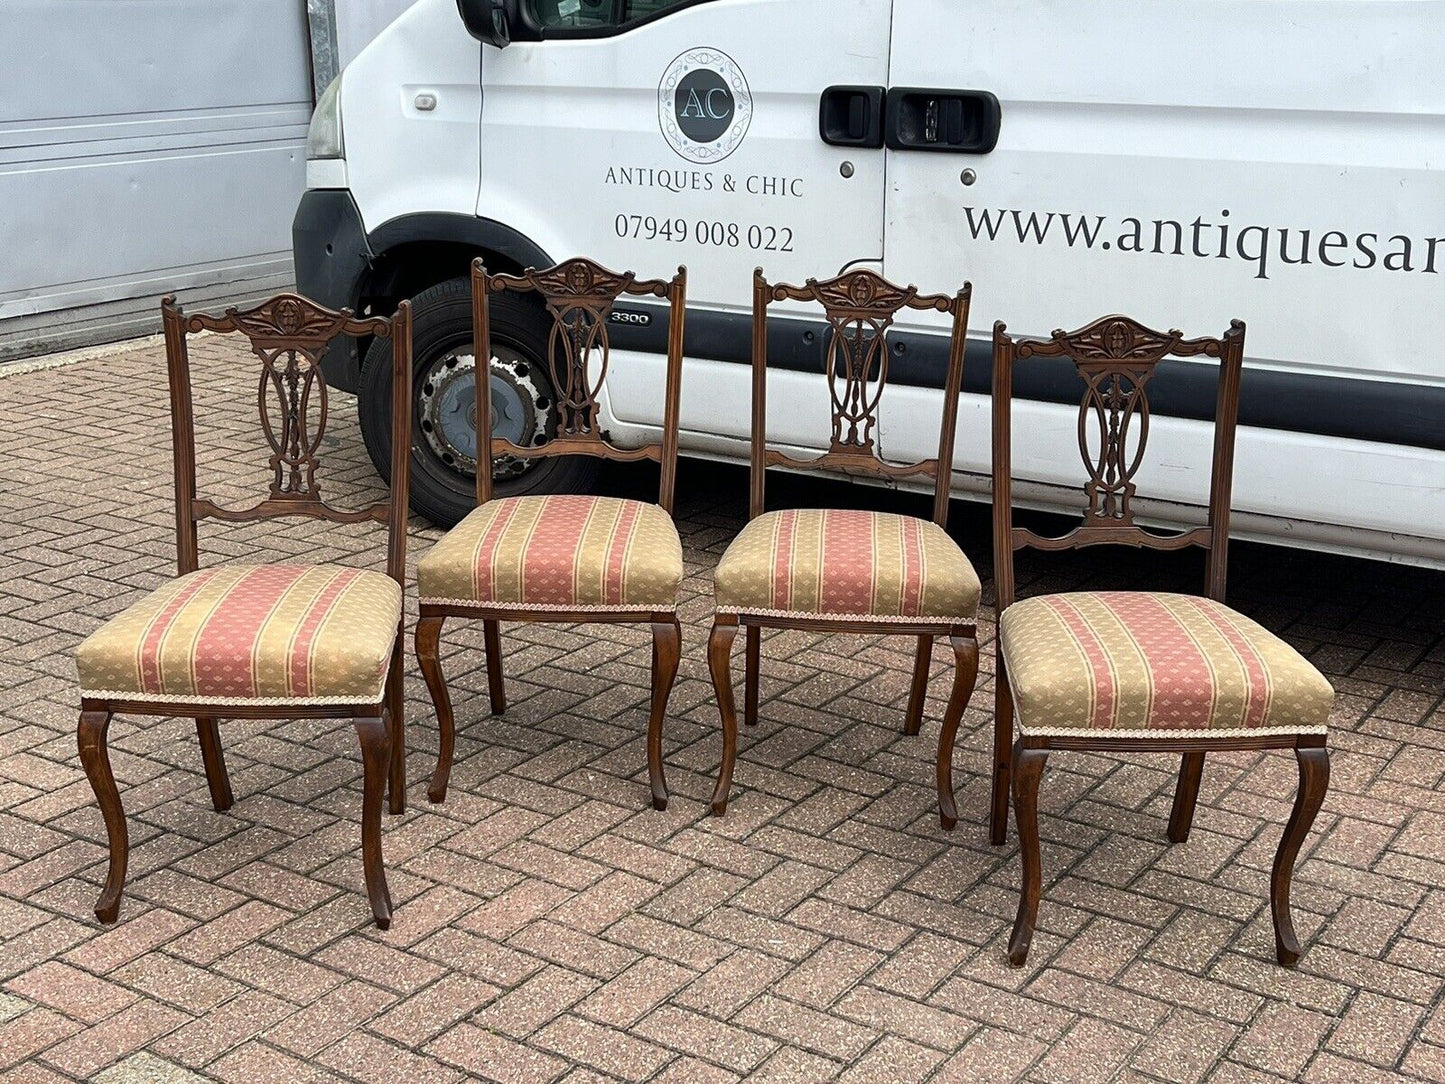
(146, 146)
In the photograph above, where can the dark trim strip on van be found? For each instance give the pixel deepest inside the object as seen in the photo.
(1385, 412)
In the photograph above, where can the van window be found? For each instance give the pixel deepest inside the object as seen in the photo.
(599, 16)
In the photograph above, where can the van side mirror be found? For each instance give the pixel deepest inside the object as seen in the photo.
(499, 22)
(488, 21)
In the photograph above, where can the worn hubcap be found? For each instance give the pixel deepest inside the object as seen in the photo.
(521, 410)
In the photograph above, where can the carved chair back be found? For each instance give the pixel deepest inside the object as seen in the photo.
(860, 308)
(1115, 357)
(288, 333)
(579, 296)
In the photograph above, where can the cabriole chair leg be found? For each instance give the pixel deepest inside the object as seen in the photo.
(95, 757)
(719, 648)
(1028, 766)
(375, 737)
(428, 657)
(214, 761)
(1314, 781)
(666, 652)
(965, 675)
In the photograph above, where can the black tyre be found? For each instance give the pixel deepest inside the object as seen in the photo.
(444, 436)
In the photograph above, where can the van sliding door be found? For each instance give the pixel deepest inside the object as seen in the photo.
(1189, 163)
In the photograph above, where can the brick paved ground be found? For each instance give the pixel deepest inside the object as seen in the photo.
(549, 926)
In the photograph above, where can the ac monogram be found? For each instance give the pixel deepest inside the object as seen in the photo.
(706, 106)
(703, 105)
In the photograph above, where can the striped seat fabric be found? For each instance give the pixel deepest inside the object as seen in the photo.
(268, 634)
(1132, 664)
(558, 552)
(847, 563)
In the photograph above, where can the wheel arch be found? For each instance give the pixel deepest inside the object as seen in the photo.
(414, 252)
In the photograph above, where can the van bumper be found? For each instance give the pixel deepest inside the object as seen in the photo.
(332, 258)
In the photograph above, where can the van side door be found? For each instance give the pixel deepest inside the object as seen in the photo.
(652, 133)
(1191, 163)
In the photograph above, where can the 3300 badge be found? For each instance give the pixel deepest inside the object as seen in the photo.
(702, 231)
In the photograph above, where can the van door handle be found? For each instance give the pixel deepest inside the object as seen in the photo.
(851, 116)
(929, 119)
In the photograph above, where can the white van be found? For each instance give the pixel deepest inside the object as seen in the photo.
(1278, 161)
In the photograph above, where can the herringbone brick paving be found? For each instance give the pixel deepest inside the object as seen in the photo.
(550, 926)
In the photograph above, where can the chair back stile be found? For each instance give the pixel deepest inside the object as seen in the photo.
(183, 435)
(1001, 401)
(1115, 358)
(288, 333)
(401, 428)
(1221, 481)
(860, 307)
(579, 296)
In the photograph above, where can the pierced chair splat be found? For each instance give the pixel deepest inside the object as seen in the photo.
(264, 641)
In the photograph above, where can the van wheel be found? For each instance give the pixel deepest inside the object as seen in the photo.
(444, 432)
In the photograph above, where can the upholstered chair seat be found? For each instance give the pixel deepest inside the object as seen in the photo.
(557, 552)
(1138, 663)
(261, 634)
(847, 563)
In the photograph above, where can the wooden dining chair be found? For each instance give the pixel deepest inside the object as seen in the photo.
(848, 570)
(1138, 671)
(264, 641)
(565, 557)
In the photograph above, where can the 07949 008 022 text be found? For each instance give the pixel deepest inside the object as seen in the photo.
(701, 231)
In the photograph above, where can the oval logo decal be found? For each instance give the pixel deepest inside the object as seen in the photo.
(703, 105)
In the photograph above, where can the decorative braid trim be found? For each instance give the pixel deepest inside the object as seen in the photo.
(1167, 732)
(1145, 733)
(894, 619)
(263, 701)
(552, 607)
